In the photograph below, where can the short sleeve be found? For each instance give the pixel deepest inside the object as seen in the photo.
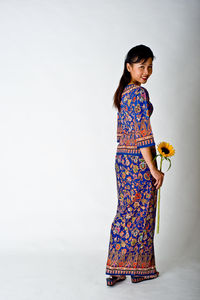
(143, 131)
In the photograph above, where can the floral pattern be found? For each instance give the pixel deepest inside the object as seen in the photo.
(131, 246)
(134, 129)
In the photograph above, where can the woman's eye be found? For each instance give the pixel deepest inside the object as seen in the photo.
(142, 67)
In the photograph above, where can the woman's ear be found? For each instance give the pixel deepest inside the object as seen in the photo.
(128, 66)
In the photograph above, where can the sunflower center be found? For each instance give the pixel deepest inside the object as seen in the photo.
(165, 150)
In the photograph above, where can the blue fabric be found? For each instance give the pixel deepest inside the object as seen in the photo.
(131, 247)
(134, 129)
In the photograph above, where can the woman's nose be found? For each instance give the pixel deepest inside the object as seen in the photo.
(147, 72)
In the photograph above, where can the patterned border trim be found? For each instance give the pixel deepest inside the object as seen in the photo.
(130, 271)
(128, 151)
(132, 149)
(135, 278)
(146, 141)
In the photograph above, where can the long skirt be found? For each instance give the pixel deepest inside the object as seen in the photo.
(131, 245)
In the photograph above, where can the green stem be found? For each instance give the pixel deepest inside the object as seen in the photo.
(158, 216)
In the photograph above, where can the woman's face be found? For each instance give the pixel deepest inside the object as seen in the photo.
(140, 72)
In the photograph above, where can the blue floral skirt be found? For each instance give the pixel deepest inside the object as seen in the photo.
(131, 246)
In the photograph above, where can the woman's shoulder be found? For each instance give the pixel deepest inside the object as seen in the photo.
(131, 90)
(133, 94)
(139, 92)
(145, 91)
(142, 90)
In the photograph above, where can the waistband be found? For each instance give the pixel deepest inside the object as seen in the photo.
(138, 153)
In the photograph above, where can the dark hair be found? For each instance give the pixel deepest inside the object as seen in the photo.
(134, 55)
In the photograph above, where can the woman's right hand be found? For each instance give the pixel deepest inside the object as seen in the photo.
(159, 177)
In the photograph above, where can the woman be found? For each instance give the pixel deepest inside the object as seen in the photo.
(131, 246)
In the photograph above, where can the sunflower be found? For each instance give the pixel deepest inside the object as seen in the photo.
(165, 149)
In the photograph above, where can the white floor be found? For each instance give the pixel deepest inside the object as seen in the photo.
(78, 276)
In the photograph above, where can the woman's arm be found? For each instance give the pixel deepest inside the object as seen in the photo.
(148, 157)
(158, 175)
(143, 133)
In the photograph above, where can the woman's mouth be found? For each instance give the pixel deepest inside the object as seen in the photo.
(145, 78)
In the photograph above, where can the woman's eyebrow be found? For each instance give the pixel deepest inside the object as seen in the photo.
(144, 64)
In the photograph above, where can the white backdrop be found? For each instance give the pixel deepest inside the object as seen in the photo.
(60, 64)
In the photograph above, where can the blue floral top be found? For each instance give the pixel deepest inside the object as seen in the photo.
(133, 121)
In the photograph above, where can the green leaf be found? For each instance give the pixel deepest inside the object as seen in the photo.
(156, 156)
(167, 158)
